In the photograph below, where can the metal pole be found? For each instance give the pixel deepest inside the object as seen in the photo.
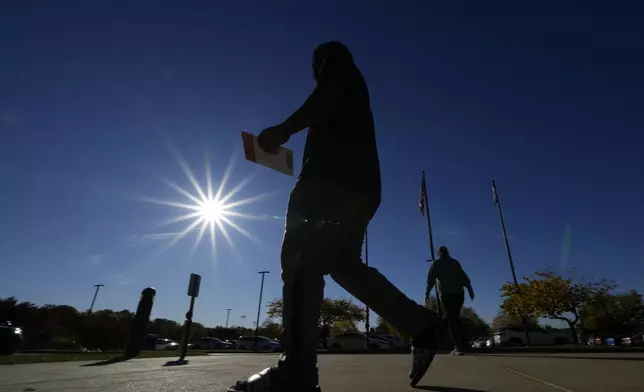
(186, 330)
(507, 248)
(227, 316)
(431, 243)
(505, 234)
(259, 308)
(366, 259)
(98, 287)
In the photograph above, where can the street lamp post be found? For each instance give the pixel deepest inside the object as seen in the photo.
(259, 308)
(227, 316)
(98, 287)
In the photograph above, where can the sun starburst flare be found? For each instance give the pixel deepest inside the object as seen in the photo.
(208, 211)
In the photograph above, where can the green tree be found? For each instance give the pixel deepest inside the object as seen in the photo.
(614, 313)
(473, 325)
(503, 319)
(271, 329)
(384, 327)
(334, 310)
(105, 329)
(197, 331)
(165, 328)
(344, 326)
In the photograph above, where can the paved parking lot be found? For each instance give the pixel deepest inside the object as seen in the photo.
(350, 373)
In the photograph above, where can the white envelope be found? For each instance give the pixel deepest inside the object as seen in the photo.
(282, 161)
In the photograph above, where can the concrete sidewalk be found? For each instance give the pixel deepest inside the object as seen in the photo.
(350, 373)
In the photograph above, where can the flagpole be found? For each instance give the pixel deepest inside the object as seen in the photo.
(505, 234)
(431, 238)
(507, 248)
(366, 259)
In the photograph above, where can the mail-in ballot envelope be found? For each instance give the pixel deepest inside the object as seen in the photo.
(282, 161)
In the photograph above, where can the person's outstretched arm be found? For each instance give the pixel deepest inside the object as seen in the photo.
(317, 107)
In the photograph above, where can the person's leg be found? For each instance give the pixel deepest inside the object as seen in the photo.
(453, 304)
(302, 296)
(374, 290)
(330, 222)
(320, 224)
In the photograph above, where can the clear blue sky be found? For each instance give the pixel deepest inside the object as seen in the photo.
(546, 99)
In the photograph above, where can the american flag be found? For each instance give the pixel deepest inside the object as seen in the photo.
(421, 199)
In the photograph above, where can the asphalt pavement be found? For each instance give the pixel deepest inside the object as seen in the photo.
(354, 373)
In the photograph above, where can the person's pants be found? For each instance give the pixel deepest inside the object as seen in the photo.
(325, 228)
(453, 303)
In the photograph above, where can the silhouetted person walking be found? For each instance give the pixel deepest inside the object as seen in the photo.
(336, 195)
(451, 279)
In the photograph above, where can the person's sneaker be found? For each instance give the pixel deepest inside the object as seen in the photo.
(456, 352)
(266, 381)
(423, 352)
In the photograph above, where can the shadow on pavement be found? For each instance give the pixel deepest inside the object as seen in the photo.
(106, 362)
(178, 362)
(445, 389)
(563, 357)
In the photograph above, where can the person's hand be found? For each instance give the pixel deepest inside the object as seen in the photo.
(471, 294)
(270, 139)
(428, 301)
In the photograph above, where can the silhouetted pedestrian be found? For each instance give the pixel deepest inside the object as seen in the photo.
(451, 279)
(336, 195)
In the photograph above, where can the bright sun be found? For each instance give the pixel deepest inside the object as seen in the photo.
(209, 209)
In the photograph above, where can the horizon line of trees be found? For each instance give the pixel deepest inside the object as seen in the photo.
(592, 306)
(65, 327)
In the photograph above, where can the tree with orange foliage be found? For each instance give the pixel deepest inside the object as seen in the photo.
(550, 295)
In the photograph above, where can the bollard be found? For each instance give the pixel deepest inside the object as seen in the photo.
(140, 323)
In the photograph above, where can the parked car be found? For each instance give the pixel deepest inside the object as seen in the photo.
(10, 338)
(636, 340)
(480, 343)
(232, 342)
(357, 341)
(510, 336)
(602, 340)
(489, 342)
(622, 340)
(211, 343)
(261, 342)
(394, 341)
(166, 344)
